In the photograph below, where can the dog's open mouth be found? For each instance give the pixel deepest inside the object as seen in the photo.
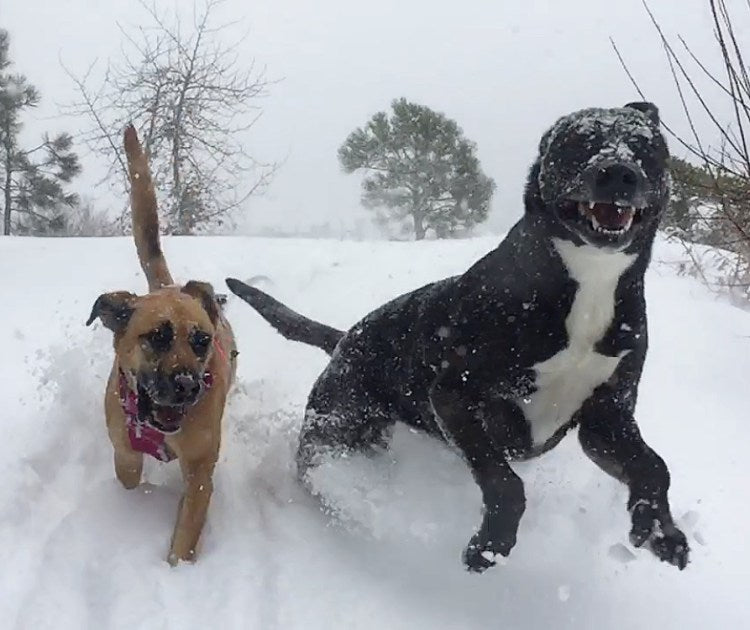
(608, 218)
(166, 419)
(163, 418)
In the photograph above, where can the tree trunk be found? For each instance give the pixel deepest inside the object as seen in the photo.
(187, 82)
(176, 183)
(8, 198)
(419, 230)
(417, 213)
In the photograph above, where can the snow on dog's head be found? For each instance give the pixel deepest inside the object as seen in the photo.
(601, 176)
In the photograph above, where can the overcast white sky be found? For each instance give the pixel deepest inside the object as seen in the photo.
(504, 69)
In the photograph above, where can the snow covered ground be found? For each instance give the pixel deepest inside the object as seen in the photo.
(78, 551)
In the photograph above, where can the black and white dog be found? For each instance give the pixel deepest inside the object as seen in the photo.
(546, 332)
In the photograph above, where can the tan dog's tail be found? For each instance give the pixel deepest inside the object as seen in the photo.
(145, 216)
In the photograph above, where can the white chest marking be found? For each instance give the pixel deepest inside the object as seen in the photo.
(567, 379)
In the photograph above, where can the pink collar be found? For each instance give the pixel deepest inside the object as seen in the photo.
(143, 437)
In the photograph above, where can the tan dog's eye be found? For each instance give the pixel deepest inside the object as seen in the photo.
(160, 339)
(200, 342)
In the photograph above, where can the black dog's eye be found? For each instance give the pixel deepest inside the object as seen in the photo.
(160, 339)
(200, 342)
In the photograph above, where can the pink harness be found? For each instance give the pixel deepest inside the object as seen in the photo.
(145, 438)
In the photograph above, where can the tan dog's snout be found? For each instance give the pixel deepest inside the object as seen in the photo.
(184, 387)
(179, 387)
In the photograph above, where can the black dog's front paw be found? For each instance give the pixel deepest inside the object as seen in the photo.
(481, 554)
(671, 547)
(657, 531)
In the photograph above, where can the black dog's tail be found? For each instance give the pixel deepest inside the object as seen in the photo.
(290, 324)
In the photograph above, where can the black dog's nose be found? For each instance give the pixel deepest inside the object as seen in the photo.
(617, 175)
(186, 386)
(615, 181)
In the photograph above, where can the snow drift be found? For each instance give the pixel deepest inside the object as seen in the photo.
(79, 551)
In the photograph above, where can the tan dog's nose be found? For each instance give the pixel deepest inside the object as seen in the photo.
(186, 387)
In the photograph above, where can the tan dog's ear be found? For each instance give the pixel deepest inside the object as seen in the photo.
(114, 310)
(204, 292)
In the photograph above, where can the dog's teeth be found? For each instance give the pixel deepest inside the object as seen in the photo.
(595, 223)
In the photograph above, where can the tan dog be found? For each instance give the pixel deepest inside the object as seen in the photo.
(174, 363)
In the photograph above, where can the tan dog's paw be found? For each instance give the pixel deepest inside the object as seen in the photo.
(128, 468)
(129, 479)
(175, 557)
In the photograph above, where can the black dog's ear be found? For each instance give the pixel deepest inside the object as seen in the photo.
(532, 195)
(545, 142)
(651, 110)
(114, 310)
(204, 292)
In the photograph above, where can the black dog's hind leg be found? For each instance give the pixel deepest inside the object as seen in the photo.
(611, 439)
(462, 419)
(340, 418)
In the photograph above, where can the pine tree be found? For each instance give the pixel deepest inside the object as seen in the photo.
(690, 191)
(31, 179)
(708, 207)
(420, 167)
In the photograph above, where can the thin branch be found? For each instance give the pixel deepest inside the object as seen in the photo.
(185, 87)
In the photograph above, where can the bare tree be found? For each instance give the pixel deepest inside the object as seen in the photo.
(717, 99)
(192, 99)
(87, 220)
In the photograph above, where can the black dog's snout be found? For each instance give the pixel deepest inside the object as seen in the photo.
(186, 387)
(615, 182)
(617, 175)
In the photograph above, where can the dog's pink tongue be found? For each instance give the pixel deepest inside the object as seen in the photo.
(610, 215)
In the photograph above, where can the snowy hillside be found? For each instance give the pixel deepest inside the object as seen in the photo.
(78, 551)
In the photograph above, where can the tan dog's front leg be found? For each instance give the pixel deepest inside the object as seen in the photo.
(128, 463)
(191, 514)
(128, 467)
